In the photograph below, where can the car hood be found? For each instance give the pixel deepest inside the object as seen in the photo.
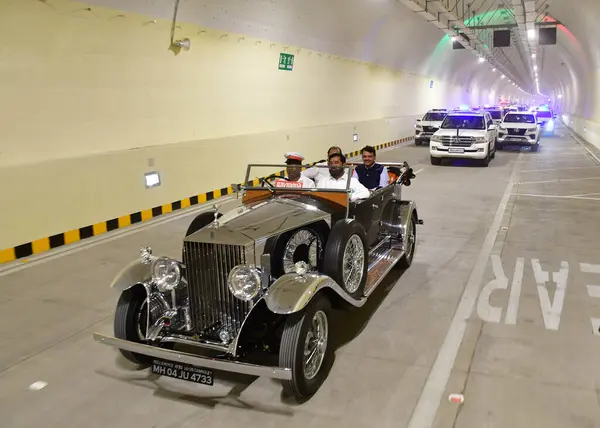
(461, 132)
(515, 125)
(248, 223)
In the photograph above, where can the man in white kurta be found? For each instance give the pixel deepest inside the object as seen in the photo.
(337, 179)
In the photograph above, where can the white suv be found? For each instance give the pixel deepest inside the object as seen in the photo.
(430, 123)
(470, 135)
(519, 128)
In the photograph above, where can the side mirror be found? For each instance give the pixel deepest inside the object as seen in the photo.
(418, 120)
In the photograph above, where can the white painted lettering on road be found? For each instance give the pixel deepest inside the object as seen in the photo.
(589, 268)
(551, 311)
(515, 292)
(486, 311)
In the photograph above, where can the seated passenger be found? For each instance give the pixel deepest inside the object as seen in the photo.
(337, 178)
(371, 174)
(294, 176)
(319, 173)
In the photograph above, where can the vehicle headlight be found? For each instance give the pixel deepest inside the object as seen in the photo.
(532, 130)
(166, 273)
(244, 282)
(480, 139)
(550, 124)
(436, 138)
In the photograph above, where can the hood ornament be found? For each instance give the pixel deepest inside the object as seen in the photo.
(216, 213)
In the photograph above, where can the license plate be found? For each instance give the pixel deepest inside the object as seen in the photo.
(455, 150)
(514, 139)
(183, 371)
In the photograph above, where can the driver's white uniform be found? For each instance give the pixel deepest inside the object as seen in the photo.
(358, 191)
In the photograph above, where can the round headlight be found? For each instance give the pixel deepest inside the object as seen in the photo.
(166, 274)
(244, 282)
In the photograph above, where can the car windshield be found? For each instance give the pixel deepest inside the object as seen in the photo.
(434, 117)
(297, 177)
(544, 114)
(463, 122)
(519, 118)
(496, 114)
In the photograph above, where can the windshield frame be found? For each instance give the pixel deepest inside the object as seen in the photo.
(248, 183)
(481, 117)
(519, 114)
(425, 119)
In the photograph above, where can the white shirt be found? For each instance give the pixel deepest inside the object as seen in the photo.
(320, 173)
(306, 183)
(358, 191)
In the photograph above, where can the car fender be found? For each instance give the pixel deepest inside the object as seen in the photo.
(291, 292)
(134, 273)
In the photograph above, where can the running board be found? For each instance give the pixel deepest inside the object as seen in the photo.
(380, 263)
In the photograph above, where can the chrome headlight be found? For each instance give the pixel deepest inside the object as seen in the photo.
(166, 273)
(436, 138)
(244, 282)
(480, 139)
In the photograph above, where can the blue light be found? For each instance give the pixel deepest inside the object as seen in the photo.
(463, 107)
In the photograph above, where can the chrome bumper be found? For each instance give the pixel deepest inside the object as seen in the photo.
(196, 360)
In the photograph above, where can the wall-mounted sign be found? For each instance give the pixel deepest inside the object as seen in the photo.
(286, 61)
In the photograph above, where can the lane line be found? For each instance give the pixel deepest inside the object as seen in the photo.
(555, 196)
(562, 169)
(431, 396)
(593, 291)
(585, 194)
(589, 268)
(19, 265)
(559, 180)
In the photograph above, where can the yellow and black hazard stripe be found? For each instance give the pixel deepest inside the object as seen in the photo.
(45, 244)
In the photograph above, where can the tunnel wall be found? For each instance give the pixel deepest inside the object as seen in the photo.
(93, 98)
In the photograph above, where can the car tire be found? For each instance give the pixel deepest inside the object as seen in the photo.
(535, 147)
(435, 161)
(417, 142)
(298, 334)
(485, 162)
(406, 260)
(129, 306)
(347, 239)
(499, 146)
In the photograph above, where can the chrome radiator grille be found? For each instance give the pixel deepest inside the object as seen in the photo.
(457, 141)
(212, 306)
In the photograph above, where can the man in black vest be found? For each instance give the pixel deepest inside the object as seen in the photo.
(371, 174)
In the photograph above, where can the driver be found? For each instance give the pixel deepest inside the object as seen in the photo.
(294, 169)
(337, 178)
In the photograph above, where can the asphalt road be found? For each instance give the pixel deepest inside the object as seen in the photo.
(499, 307)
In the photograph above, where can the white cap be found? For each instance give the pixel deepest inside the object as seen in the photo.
(294, 156)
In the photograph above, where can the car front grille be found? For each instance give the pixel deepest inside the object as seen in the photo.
(212, 306)
(514, 131)
(453, 141)
(430, 128)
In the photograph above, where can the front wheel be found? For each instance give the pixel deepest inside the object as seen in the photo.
(305, 348)
(131, 318)
(435, 161)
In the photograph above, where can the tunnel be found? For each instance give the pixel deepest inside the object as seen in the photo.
(149, 141)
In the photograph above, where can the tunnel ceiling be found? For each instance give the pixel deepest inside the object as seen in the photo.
(415, 35)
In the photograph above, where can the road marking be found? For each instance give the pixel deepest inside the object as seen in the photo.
(486, 311)
(551, 312)
(562, 169)
(596, 326)
(589, 268)
(584, 195)
(36, 386)
(593, 291)
(515, 293)
(560, 180)
(416, 172)
(110, 236)
(433, 391)
(555, 196)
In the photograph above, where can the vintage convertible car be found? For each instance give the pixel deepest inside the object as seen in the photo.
(258, 282)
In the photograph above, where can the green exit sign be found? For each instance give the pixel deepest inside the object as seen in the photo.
(286, 61)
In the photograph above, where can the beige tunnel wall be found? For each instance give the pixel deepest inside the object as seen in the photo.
(93, 99)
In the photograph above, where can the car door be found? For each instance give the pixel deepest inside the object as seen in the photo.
(492, 133)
